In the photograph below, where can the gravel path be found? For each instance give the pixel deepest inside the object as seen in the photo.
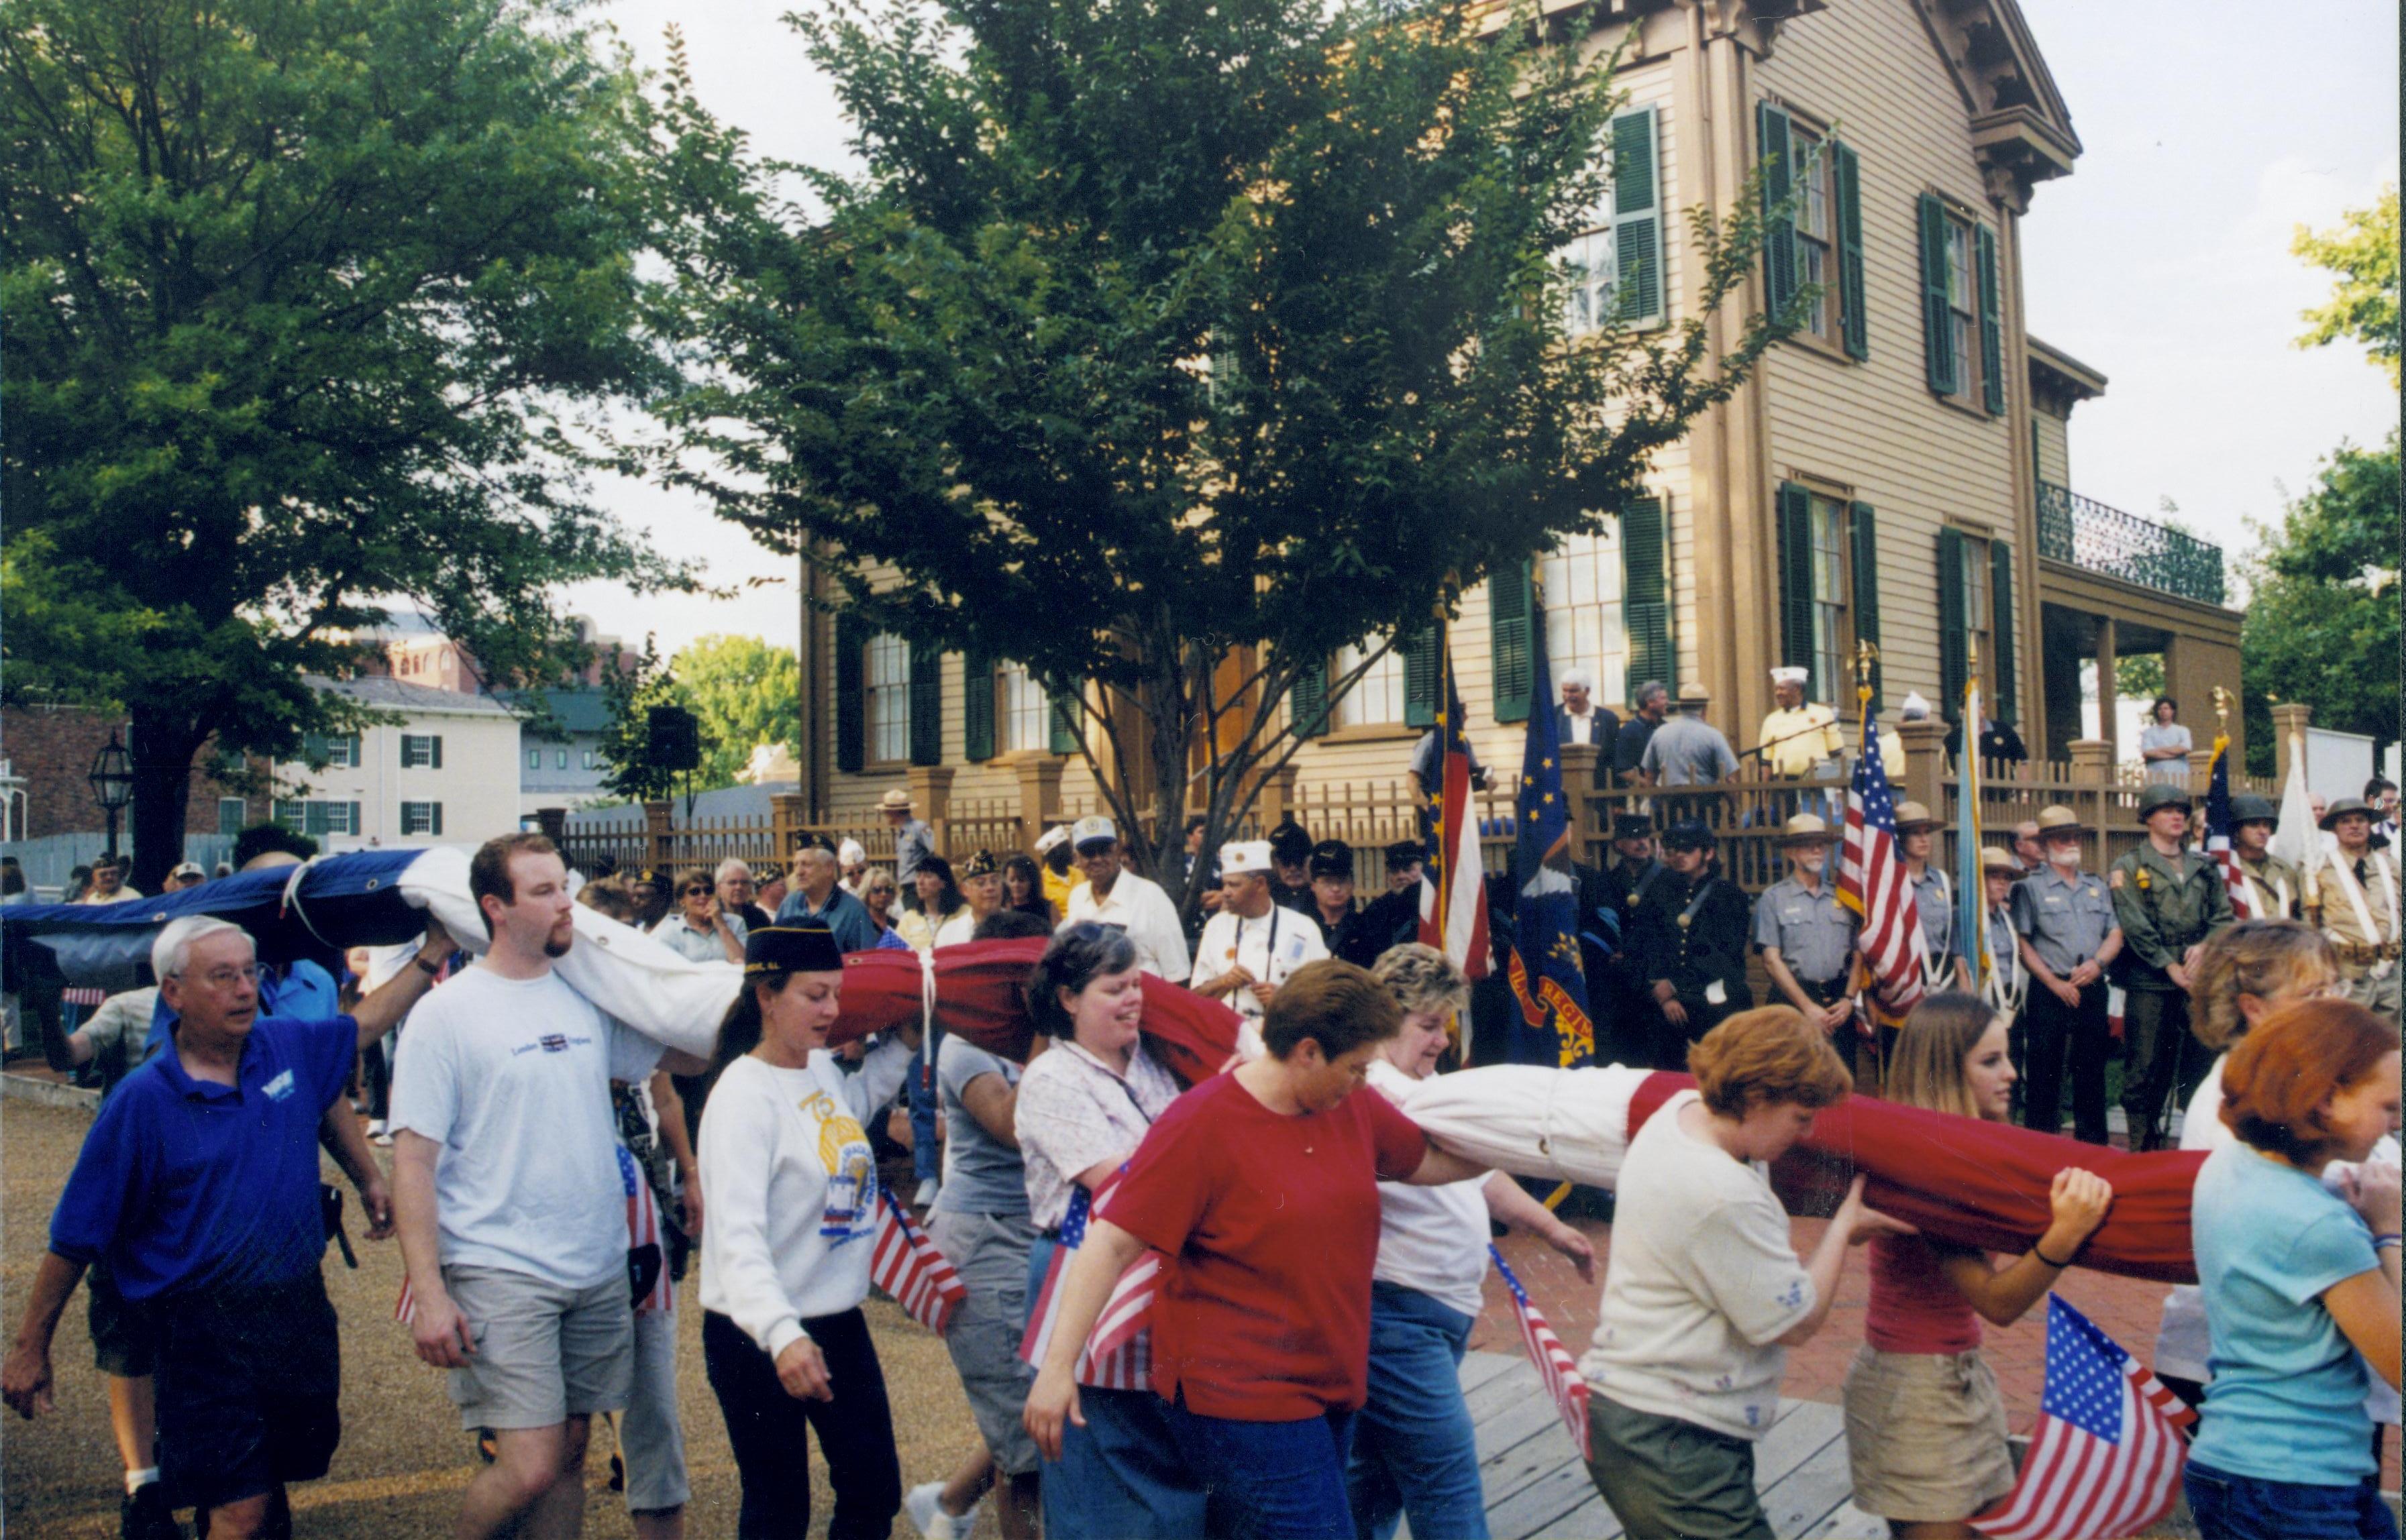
(403, 1458)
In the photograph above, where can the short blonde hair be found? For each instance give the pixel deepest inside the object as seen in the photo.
(1422, 977)
(1764, 1056)
(2274, 960)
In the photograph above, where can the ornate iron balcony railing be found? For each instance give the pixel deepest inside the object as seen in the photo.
(2087, 533)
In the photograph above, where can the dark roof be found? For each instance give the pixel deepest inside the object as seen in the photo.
(381, 690)
(576, 711)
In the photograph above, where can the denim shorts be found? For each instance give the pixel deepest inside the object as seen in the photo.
(2244, 1508)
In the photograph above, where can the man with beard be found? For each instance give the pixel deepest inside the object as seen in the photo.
(1689, 944)
(511, 1204)
(1808, 937)
(2069, 937)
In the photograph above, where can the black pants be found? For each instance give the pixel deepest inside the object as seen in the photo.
(2156, 1032)
(766, 1427)
(2052, 1031)
(1826, 992)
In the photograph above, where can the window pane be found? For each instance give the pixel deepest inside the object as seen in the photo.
(1589, 260)
(1027, 717)
(559, 760)
(886, 669)
(534, 759)
(1828, 520)
(1584, 625)
(1376, 700)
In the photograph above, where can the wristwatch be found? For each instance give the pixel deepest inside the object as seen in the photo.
(430, 969)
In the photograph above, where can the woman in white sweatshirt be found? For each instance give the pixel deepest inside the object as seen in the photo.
(792, 1191)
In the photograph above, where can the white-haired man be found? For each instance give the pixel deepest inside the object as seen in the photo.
(738, 896)
(195, 1197)
(1582, 719)
(507, 1191)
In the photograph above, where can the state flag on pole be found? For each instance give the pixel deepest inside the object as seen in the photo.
(2105, 1460)
(1555, 1363)
(2218, 833)
(1543, 963)
(904, 1262)
(1454, 897)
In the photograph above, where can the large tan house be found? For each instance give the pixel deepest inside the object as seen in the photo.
(1899, 473)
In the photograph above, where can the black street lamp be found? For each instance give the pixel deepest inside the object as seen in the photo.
(112, 783)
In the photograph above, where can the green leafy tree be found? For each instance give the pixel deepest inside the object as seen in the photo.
(744, 693)
(308, 306)
(629, 693)
(1163, 333)
(2362, 254)
(2321, 624)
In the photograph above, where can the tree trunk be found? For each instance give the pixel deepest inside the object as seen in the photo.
(162, 749)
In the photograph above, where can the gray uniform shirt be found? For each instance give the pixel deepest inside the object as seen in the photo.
(2066, 920)
(914, 842)
(1934, 898)
(1814, 932)
(1686, 751)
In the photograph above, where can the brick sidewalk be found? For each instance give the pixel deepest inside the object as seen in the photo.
(2128, 1309)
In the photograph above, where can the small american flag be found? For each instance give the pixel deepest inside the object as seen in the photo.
(1555, 1363)
(2106, 1459)
(906, 1264)
(1118, 1354)
(1872, 882)
(642, 1229)
(2218, 833)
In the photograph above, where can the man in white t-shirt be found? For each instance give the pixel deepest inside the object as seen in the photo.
(1113, 896)
(1252, 944)
(506, 1187)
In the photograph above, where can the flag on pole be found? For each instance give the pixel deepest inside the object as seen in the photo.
(906, 1264)
(1548, 980)
(1872, 882)
(1453, 900)
(2295, 839)
(1118, 1354)
(1971, 883)
(2105, 1460)
(1555, 1363)
(2217, 832)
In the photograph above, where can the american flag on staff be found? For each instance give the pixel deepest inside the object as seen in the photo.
(2217, 832)
(906, 1264)
(2106, 1459)
(1453, 900)
(1555, 1363)
(1872, 882)
(1118, 1354)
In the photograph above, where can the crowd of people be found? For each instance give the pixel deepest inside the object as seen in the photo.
(553, 1174)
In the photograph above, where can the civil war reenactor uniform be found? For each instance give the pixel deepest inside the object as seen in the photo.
(1689, 944)
(1611, 976)
(2358, 890)
(2272, 887)
(2065, 918)
(1346, 938)
(1291, 854)
(2165, 905)
(1806, 934)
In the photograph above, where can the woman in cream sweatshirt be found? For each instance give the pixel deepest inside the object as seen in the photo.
(792, 1191)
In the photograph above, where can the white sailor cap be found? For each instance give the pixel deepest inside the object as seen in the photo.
(1052, 838)
(1789, 676)
(1240, 856)
(849, 854)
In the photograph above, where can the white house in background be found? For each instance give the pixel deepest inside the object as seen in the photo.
(445, 772)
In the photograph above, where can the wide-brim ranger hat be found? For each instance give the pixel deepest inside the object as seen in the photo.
(1912, 816)
(2060, 820)
(896, 799)
(2249, 808)
(1997, 861)
(2161, 794)
(1805, 829)
(1332, 858)
(2344, 806)
(806, 946)
(1688, 834)
(1692, 694)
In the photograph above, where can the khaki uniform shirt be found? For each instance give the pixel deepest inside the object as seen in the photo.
(2339, 916)
(2165, 905)
(1793, 742)
(2278, 889)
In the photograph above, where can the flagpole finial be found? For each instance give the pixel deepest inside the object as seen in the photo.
(1866, 657)
(2222, 710)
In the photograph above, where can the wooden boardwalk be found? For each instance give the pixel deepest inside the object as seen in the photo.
(1536, 1487)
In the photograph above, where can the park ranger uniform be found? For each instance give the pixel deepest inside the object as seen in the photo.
(1934, 900)
(2359, 916)
(1686, 750)
(1816, 938)
(2066, 920)
(2165, 905)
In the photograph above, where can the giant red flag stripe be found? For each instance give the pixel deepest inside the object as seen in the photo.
(1555, 1363)
(906, 1264)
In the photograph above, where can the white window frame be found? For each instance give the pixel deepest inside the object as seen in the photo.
(1827, 521)
(885, 698)
(1026, 711)
(1377, 698)
(421, 818)
(1964, 307)
(418, 750)
(1593, 256)
(1587, 616)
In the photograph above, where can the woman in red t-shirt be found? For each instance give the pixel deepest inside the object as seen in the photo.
(1262, 1188)
(1925, 1425)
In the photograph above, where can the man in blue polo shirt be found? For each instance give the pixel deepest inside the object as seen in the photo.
(198, 1185)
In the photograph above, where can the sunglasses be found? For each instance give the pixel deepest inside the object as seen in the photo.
(697, 890)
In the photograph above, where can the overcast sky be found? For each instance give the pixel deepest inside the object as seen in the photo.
(2209, 131)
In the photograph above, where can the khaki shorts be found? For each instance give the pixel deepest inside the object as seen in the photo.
(990, 1252)
(544, 1352)
(1925, 1436)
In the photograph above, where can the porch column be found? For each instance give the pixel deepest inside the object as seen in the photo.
(788, 811)
(2290, 720)
(1040, 794)
(2108, 704)
(1925, 763)
(931, 797)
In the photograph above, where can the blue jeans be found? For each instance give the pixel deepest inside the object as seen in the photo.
(1120, 1476)
(1414, 1449)
(2241, 1507)
(1271, 1481)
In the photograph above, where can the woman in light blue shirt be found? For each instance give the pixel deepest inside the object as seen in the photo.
(2299, 1280)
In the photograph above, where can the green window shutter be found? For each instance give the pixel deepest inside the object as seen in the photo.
(436, 752)
(1954, 666)
(2001, 612)
(1508, 629)
(977, 708)
(1420, 678)
(358, 756)
(1863, 535)
(1992, 337)
(850, 699)
(1845, 177)
(1636, 219)
(1066, 706)
(438, 819)
(356, 825)
(1307, 699)
(313, 747)
(1779, 232)
(1645, 588)
(1937, 333)
(926, 705)
(289, 814)
(1795, 513)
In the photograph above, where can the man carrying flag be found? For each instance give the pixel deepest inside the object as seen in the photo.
(1548, 982)
(1453, 906)
(2220, 826)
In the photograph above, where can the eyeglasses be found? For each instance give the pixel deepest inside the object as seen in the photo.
(223, 978)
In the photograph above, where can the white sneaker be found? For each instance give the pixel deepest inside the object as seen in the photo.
(929, 1517)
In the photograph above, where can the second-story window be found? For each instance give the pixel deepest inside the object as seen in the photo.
(1617, 268)
(1817, 256)
(1963, 308)
(422, 751)
(885, 673)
